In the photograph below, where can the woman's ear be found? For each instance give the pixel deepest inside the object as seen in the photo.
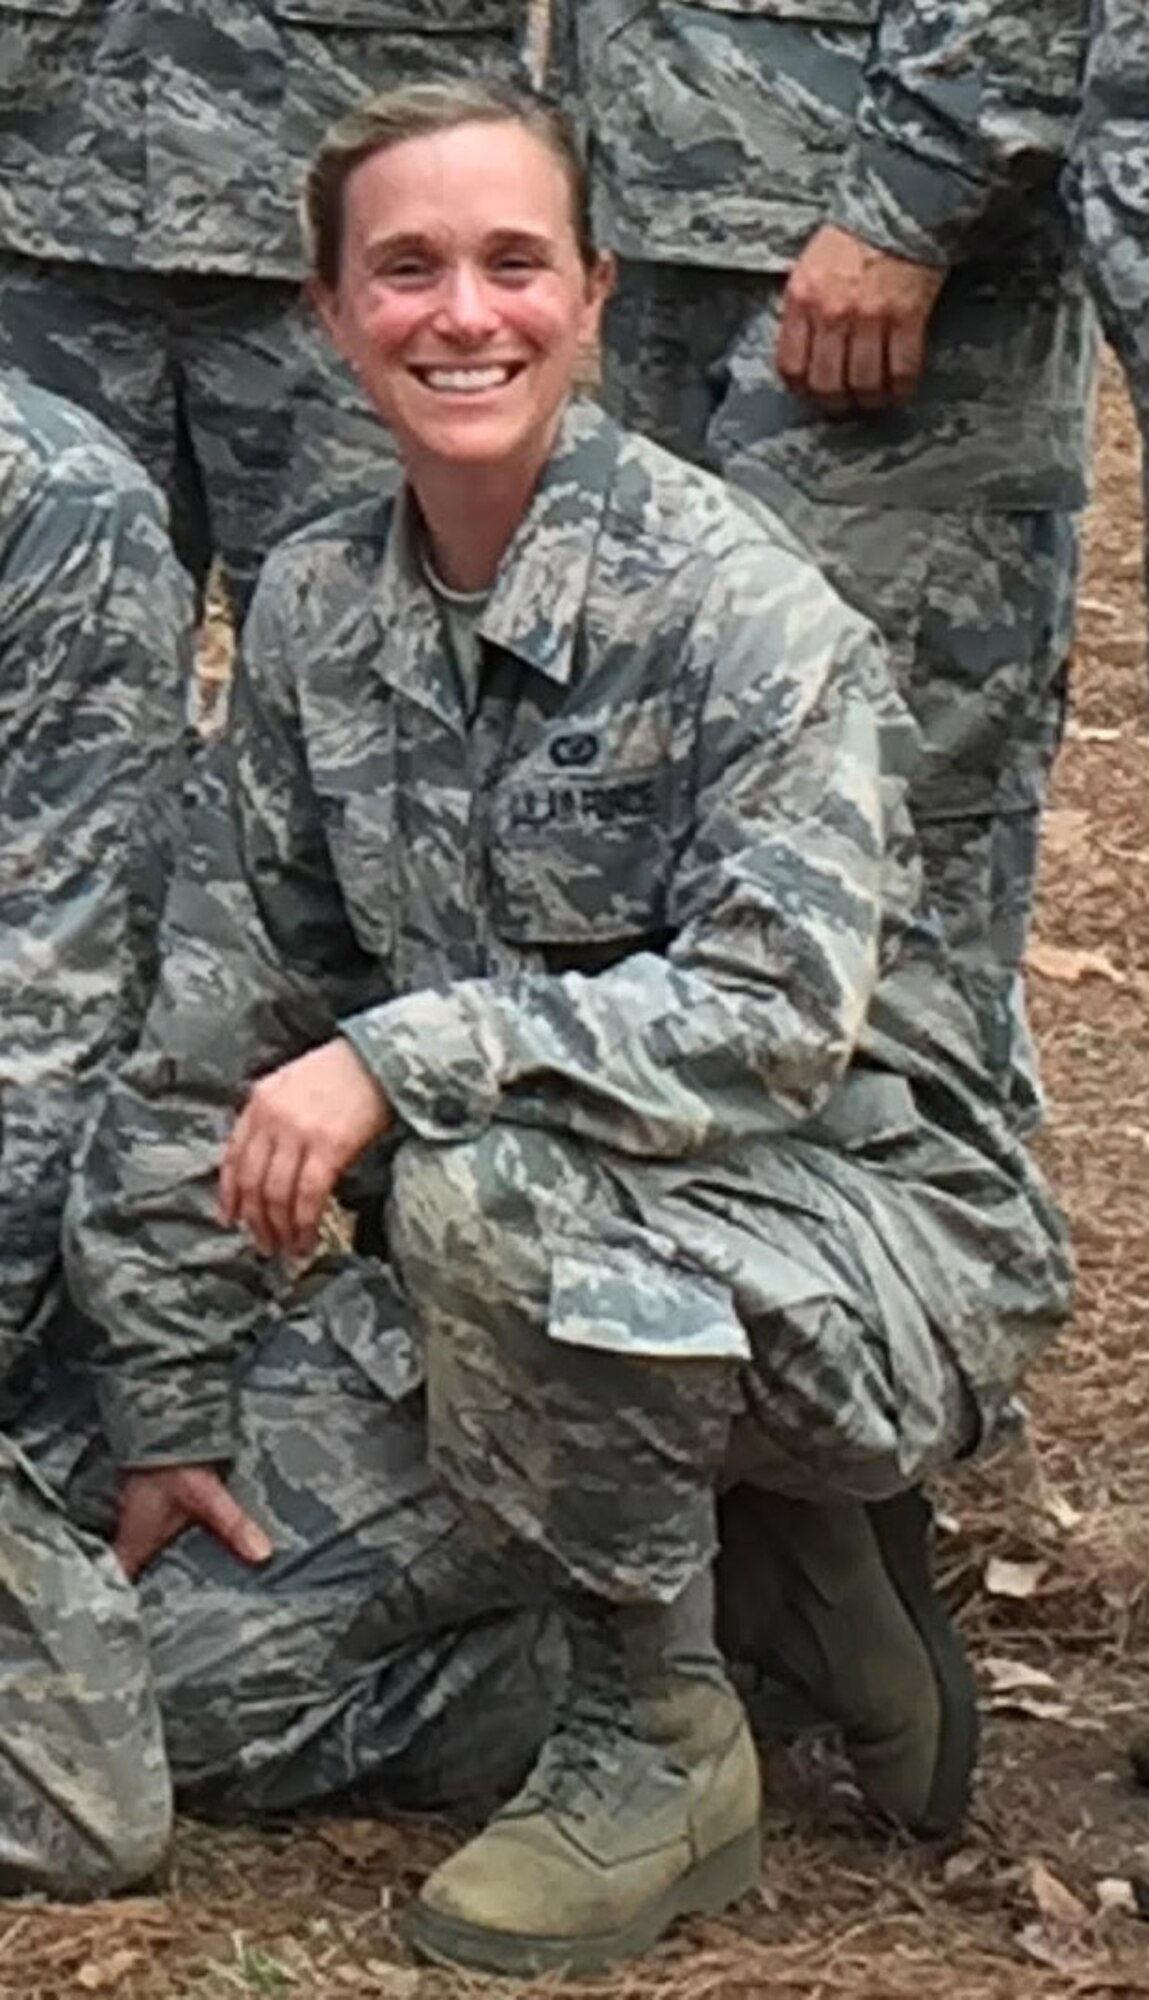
(324, 304)
(599, 286)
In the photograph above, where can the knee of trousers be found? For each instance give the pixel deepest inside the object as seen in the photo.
(841, 1407)
(474, 1230)
(481, 1218)
(546, 1411)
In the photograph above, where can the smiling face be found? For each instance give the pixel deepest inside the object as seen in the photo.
(462, 302)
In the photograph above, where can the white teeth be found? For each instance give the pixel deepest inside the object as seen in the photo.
(467, 381)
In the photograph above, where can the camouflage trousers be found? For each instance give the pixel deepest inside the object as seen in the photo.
(224, 389)
(975, 601)
(437, 1445)
(1122, 299)
(1111, 186)
(388, 1655)
(593, 1377)
(85, 1805)
(546, 1385)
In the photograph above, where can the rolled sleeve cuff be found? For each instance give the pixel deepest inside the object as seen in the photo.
(438, 1058)
(904, 205)
(189, 1421)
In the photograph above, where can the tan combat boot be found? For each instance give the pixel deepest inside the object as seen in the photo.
(837, 1601)
(643, 1807)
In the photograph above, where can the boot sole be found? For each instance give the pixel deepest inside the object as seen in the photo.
(705, 1891)
(899, 1527)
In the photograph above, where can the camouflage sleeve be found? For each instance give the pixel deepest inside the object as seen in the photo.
(95, 654)
(749, 1020)
(256, 963)
(964, 102)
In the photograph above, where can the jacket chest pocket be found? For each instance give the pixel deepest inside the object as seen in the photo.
(582, 863)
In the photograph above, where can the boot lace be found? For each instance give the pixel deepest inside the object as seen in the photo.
(579, 1765)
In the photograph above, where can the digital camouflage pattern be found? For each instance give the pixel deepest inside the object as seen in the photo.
(223, 388)
(723, 136)
(151, 158)
(94, 654)
(95, 668)
(686, 1100)
(277, 1689)
(725, 131)
(1110, 183)
(387, 1656)
(85, 1799)
(975, 602)
(172, 135)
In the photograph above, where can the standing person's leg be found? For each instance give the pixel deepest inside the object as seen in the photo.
(280, 428)
(976, 611)
(1109, 188)
(386, 1653)
(85, 1803)
(975, 600)
(100, 339)
(974, 594)
(666, 334)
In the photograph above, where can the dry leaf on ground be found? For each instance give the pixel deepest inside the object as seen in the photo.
(362, 1840)
(1115, 1892)
(1067, 964)
(103, 1975)
(1013, 1579)
(1065, 831)
(1007, 1676)
(1057, 1903)
(1058, 1952)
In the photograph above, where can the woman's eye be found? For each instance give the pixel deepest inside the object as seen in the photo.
(516, 264)
(406, 271)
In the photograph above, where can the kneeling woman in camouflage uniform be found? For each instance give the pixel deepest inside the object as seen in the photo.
(564, 874)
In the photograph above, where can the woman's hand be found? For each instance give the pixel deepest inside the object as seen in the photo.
(301, 1128)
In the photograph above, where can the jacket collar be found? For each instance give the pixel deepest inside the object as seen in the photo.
(536, 601)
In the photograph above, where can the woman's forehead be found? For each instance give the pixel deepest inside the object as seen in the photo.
(485, 175)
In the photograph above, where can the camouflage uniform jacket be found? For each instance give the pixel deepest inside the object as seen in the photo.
(726, 131)
(151, 135)
(724, 134)
(95, 659)
(657, 892)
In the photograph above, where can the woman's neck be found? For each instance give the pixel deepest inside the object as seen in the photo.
(470, 514)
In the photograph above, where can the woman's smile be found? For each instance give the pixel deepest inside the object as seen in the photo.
(471, 379)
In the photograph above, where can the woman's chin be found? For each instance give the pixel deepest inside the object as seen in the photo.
(478, 439)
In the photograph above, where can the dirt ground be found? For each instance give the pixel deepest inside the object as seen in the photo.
(1048, 1561)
